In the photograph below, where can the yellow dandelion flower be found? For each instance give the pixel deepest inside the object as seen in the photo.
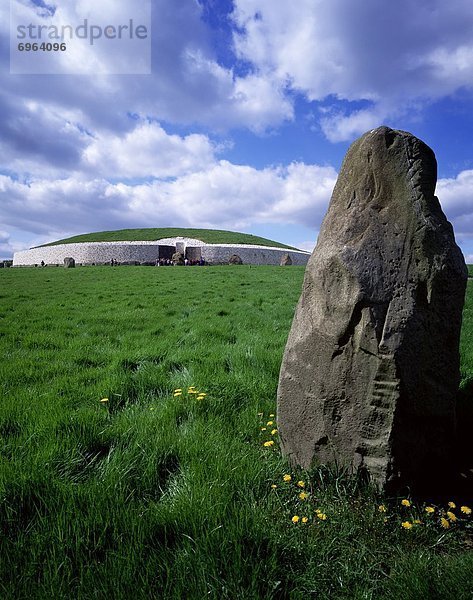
(301, 484)
(192, 392)
(303, 495)
(260, 414)
(317, 510)
(405, 502)
(429, 509)
(305, 519)
(263, 428)
(287, 478)
(177, 394)
(382, 508)
(268, 444)
(178, 390)
(273, 486)
(269, 423)
(274, 431)
(417, 521)
(322, 516)
(104, 400)
(271, 415)
(452, 505)
(445, 524)
(451, 516)
(295, 519)
(406, 525)
(466, 510)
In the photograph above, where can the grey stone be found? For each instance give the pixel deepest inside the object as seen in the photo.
(177, 258)
(235, 260)
(286, 260)
(371, 367)
(69, 263)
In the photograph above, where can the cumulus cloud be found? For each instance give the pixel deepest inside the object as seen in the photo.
(187, 84)
(224, 195)
(148, 151)
(390, 54)
(456, 197)
(8, 246)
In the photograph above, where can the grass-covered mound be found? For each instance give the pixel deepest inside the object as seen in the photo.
(210, 236)
(139, 451)
(470, 270)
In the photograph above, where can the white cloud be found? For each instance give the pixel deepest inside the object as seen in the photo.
(8, 246)
(224, 195)
(187, 85)
(338, 126)
(148, 151)
(456, 198)
(307, 245)
(391, 54)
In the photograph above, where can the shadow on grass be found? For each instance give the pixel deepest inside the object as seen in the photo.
(463, 481)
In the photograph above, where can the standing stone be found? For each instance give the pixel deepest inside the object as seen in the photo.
(69, 263)
(286, 260)
(177, 258)
(235, 260)
(371, 367)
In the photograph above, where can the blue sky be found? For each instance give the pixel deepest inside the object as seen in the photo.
(242, 123)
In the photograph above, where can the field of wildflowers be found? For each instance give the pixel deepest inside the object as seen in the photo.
(139, 451)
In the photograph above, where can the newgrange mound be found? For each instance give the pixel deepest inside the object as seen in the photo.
(148, 246)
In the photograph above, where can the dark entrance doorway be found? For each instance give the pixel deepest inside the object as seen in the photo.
(166, 252)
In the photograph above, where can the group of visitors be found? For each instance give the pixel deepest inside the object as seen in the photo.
(167, 262)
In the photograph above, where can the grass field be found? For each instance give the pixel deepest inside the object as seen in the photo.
(211, 236)
(113, 485)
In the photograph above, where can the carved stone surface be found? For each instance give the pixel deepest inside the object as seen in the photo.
(286, 260)
(178, 258)
(235, 260)
(371, 367)
(69, 263)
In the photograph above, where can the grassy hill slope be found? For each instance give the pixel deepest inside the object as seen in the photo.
(211, 236)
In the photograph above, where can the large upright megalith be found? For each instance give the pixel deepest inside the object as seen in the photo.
(371, 367)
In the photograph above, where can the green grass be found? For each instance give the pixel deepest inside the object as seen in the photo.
(470, 270)
(211, 236)
(151, 495)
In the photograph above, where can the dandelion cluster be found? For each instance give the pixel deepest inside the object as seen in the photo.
(434, 516)
(191, 392)
(267, 428)
(297, 496)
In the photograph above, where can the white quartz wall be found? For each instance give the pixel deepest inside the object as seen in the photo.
(89, 252)
(251, 255)
(104, 252)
